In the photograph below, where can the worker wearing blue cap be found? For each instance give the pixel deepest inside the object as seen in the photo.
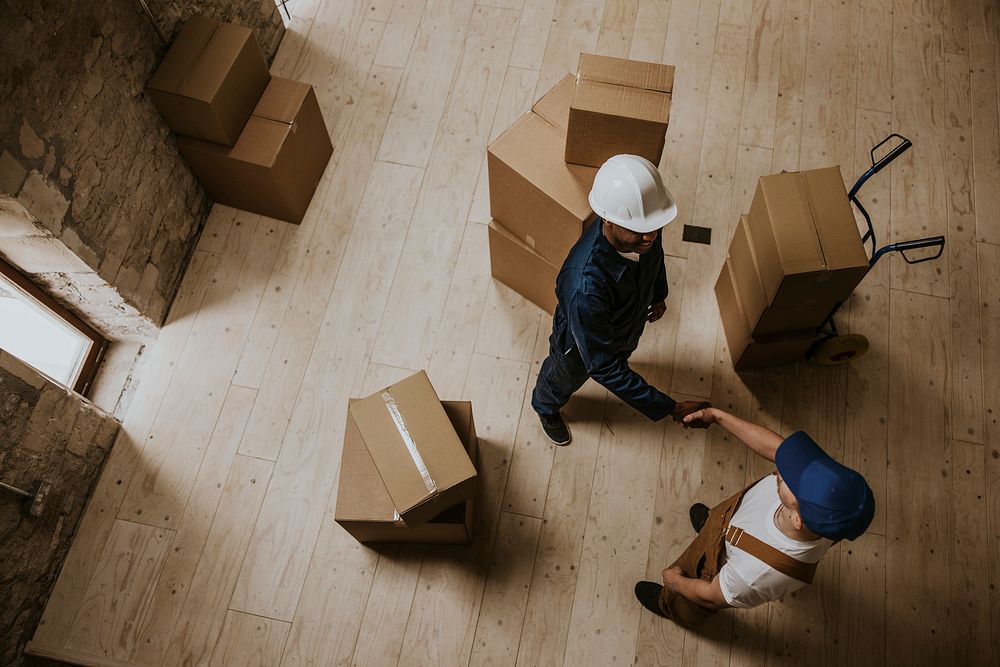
(766, 541)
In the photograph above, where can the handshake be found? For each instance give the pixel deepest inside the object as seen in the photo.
(693, 414)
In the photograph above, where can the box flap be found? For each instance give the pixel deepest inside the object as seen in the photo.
(747, 280)
(834, 220)
(731, 311)
(553, 106)
(282, 100)
(534, 149)
(790, 216)
(411, 441)
(632, 73)
(183, 53)
(623, 101)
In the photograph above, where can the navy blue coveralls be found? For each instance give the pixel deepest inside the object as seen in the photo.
(604, 301)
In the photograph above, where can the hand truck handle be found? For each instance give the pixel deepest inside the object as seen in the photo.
(902, 247)
(900, 148)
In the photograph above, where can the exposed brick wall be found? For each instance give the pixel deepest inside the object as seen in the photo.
(83, 150)
(47, 433)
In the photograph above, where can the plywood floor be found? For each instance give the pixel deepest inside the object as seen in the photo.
(210, 538)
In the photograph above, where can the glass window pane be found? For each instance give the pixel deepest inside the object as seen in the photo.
(36, 336)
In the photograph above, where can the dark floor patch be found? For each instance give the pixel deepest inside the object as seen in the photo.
(695, 234)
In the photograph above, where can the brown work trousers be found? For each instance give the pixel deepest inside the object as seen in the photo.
(703, 559)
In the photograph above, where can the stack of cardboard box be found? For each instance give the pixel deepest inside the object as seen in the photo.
(407, 470)
(792, 259)
(255, 142)
(542, 168)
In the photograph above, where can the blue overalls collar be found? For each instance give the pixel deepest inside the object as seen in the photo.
(607, 256)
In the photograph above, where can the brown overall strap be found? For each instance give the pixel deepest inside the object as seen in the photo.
(764, 552)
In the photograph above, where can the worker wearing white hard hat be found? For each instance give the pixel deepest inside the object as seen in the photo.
(612, 283)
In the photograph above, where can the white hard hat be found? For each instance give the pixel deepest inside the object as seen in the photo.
(629, 192)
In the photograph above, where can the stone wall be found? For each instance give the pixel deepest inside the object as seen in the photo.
(84, 152)
(51, 434)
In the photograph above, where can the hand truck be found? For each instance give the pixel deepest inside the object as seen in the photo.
(832, 348)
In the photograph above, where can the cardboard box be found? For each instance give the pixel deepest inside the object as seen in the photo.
(761, 318)
(419, 456)
(554, 105)
(747, 351)
(210, 80)
(534, 194)
(522, 269)
(807, 243)
(619, 106)
(365, 509)
(278, 160)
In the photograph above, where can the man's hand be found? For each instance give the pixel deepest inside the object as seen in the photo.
(700, 418)
(671, 576)
(656, 311)
(685, 408)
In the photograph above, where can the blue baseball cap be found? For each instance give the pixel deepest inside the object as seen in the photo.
(834, 501)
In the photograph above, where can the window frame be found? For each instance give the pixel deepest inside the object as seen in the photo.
(90, 364)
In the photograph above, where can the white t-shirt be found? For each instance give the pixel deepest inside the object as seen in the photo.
(747, 581)
(632, 256)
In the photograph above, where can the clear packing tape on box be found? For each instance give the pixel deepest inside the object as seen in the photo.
(411, 447)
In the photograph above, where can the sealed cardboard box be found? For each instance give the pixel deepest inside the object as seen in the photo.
(806, 240)
(748, 351)
(534, 194)
(365, 509)
(210, 80)
(522, 269)
(276, 164)
(619, 106)
(554, 105)
(419, 456)
(762, 318)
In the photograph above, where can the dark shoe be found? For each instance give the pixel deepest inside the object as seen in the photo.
(648, 594)
(555, 429)
(699, 515)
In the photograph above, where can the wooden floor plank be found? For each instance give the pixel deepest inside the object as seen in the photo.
(400, 31)
(554, 580)
(533, 28)
(501, 615)
(763, 68)
(966, 339)
(179, 568)
(193, 401)
(985, 71)
(791, 85)
(104, 625)
(972, 642)
(918, 492)
(689, 46)
(456, 336)
(424, 90)
(661, 642)
(388, 605)
(605, 617)
(617, 28)
(919, 184)
(861, 619)
(875, 56)
(989, 274)
(252, 641)
(276, 564)
(300, 322)
(516, 98)
(695, 342)
(420, 289)
(574, 30)
(650, 31)
(204, 610)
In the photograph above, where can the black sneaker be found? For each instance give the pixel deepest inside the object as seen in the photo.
(699, 515)
(648, 594)
(555, 429)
